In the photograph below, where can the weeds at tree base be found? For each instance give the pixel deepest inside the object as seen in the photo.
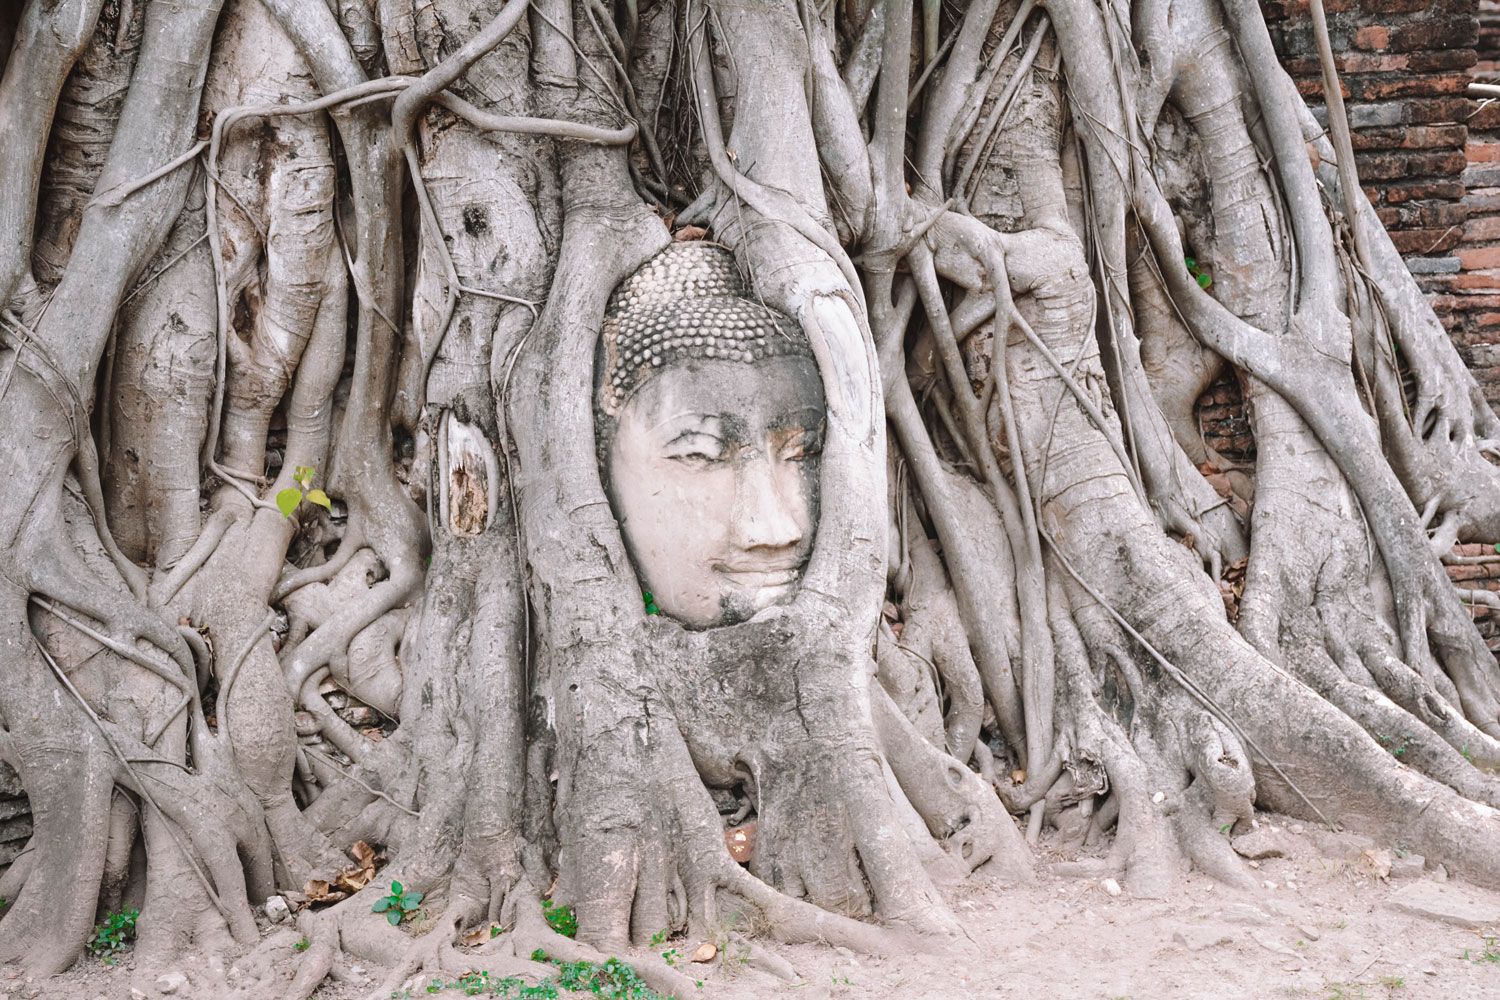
(1389, 985)
(1490, 954)
(398, 904)
(611, 979)
(113, 934)
(561, 919)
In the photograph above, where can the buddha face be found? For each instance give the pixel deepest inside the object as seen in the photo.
(713, 475)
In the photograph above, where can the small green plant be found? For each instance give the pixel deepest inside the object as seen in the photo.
(1199, 275)
(1398, 746)
(302, 945)
(1490, 954)
(651, 608)
(1468, 754)
(611, 979)
(111, 936)
(289, 499)
(398, 904)
(561, 919)
(670, 956)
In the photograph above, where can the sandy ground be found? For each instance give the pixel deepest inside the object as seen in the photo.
(1332, 921)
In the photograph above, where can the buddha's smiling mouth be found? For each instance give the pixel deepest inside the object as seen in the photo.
(761, 578)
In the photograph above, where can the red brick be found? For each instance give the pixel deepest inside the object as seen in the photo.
(1425, 241)
(1431, 110)
(1427, 191)
(1452, 136)
(1482, 200)
(1435, 33)
(1389, 166)
(1405, 85)
(1486, 117)
(1475, 263)
(1427, 62)
(1481, 229)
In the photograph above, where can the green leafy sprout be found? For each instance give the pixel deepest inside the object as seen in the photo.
(111, 936)
(1491, 953)
(611, 979)
(1398, 746)
(398, 904)
(561, 919)
(651, 608)
(289, 499)
(1201, 276)
(301, 945)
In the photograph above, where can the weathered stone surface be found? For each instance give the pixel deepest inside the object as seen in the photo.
(1448, 903)
(171, 983)
(1408, 865)
(1263, 842)
(277, 910)
(1340, 846)
(1199, 938)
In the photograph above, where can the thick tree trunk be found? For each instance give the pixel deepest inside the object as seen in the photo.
(311, 536)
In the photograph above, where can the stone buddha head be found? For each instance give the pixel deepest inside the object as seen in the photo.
(710, 418)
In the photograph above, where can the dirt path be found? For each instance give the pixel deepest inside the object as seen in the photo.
(1333, 920)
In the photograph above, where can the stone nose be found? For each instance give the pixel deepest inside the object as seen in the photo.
(765, 514)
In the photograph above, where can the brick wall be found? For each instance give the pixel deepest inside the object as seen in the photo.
(1428, 157)
(1471, 308)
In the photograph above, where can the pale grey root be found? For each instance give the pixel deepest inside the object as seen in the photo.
(243, 238)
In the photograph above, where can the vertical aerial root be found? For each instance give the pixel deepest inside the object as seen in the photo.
(960, 810)
(69, 784)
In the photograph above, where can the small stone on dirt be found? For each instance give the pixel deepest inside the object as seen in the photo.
(1408, 866)
(1110, 886)
(705, 952)
(1449, 904)
(277, 910)
(1199, 938)
(1340, 846)
(1272, 945)
(1263, 842)
(1377, 861)
(170, 983)
(1241, 913)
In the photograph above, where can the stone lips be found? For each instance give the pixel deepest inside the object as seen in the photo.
(686, 302)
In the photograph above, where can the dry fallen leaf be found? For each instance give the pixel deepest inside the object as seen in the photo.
(362, 873)
(1378, 860)
(319, 891)
(705, 952)
(741, 841)
(479, 935)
